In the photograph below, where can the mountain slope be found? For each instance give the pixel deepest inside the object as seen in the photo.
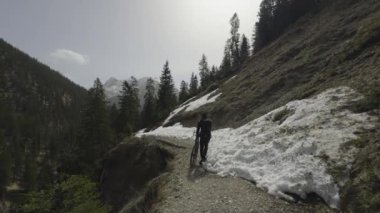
(39, 113)
(312, 55)
(30, 86)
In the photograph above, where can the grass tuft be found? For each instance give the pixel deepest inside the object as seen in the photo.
(282, 115)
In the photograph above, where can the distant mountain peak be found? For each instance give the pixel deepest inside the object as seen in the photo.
(111, 81)
(113, 86)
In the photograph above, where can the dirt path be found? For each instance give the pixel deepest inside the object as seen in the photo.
(195, 190)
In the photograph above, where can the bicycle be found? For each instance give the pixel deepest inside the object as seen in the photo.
(194, 152)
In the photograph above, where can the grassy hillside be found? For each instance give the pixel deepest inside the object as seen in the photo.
(336, 45)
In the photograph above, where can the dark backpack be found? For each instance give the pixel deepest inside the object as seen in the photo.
(205, 127)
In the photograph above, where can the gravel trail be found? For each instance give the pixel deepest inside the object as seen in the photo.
(195, 190)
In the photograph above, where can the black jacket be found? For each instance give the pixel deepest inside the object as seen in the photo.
(204, 128)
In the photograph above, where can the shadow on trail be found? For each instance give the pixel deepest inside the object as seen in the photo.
(196, 172)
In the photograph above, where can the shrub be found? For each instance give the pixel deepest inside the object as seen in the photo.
(76, 194)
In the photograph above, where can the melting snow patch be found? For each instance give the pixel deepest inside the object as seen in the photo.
(175, 131)
(282, 151)
(141, 131)
(233, 77)
(193, 105)
(202, 101)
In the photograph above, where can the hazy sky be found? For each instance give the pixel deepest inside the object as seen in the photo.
(85, 39)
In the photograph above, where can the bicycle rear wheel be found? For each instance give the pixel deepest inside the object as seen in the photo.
(194, 153)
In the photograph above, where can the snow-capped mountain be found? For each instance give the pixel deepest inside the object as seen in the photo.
(113, 86)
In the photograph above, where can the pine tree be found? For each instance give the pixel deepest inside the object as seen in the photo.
(226, 66)
(204, 72)
(18, 155)
(235, 40)
(114, 115)
(263, 28)
(30, 173)
(129, 108)
(244, 49)
(5, 166)
(95, 136)
(149, 114)
(167, 99)
(213, 73)
(183, 92)
(46, 175)
(134, 109)
(276, 15)
(123, 121)
(193, 90)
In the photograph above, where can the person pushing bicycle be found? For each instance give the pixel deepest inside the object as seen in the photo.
(204, 134)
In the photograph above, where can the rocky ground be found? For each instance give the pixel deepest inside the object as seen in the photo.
(189, 189)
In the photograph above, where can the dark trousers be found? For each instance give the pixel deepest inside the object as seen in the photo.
(204, 146)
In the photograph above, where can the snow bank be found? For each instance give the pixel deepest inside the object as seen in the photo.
(191, 105)
(282, 151)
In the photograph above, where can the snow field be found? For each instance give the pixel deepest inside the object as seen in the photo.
(285, 153)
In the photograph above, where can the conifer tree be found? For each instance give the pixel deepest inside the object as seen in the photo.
(213, 73)
(235, 40)
(123, 122)
(95, 133)
(226, 66)
(129, 108)
(134, 104)
(46, 175)
(114, 115)
(204, 72)
(167, 99)
(5, 166)
(263, 28)
(18, 155)
(149, 114)
(276, 15)
(193, 90)
(244, 49)
(183, 92)
(30, 173)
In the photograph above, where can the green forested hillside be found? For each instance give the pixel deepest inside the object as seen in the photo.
(39, 111)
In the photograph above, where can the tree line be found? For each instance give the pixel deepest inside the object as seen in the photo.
(275, 16)
(236, 53)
